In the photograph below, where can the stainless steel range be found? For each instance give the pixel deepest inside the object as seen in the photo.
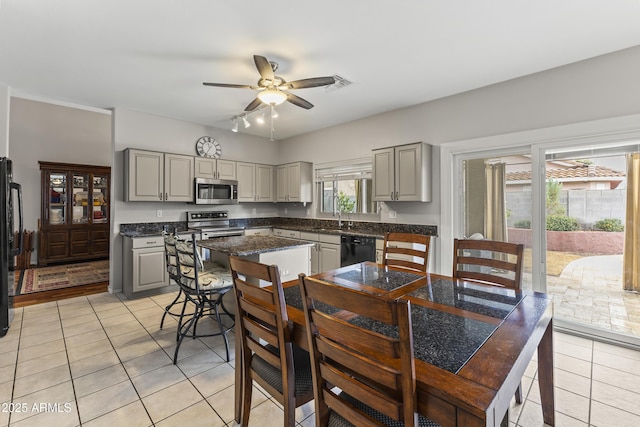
(212, 224)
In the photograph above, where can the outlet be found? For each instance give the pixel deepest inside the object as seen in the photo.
(286, 211)
(159, 213)
(254, 211)
(393, 214)
(309, 212)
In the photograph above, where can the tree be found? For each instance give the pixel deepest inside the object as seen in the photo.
(554, 207)
(345, 204)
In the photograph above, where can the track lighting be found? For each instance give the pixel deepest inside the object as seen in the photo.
(260, 119)
(245, 121)
(274, 113)
(235, 125)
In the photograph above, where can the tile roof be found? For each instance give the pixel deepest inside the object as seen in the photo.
(579, 171)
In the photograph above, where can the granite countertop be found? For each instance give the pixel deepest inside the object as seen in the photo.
(251, 245)
(335, 231)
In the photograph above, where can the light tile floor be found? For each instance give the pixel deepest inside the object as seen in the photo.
(102, 360)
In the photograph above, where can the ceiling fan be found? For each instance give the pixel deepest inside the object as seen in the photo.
(273, 89)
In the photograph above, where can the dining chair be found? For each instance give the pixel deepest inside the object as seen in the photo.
(204, 288)
(268, 355)
(489, 262)
(361, 348)
(406, 250)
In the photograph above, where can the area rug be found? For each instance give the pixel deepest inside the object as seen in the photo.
(61, 276)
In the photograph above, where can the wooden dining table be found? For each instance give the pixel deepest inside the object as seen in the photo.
(472, 342)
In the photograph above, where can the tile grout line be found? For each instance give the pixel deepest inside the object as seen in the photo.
(121, 363)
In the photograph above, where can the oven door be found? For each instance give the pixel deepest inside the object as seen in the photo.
(215, 191)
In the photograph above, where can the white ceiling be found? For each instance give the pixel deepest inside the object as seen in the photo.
(153, 55)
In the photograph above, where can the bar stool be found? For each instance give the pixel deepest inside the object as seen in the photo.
(204, 288)
(171, 261)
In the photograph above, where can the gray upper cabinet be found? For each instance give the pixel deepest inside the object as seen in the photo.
(402, 173)
(294, 182)
(215, 168)
(255, 182)
(151, 176)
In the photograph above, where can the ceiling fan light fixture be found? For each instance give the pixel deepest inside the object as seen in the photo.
(272, 97)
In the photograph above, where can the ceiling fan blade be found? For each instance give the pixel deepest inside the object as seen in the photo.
(230, 85)
(263, 66)
(253, 105)
(296, 100)
(312, 82)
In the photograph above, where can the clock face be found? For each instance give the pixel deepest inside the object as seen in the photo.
(207, 146)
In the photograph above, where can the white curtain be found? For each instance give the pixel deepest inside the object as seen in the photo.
(631, 257)
(495, 211)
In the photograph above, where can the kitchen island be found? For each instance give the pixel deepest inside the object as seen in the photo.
(290, 255)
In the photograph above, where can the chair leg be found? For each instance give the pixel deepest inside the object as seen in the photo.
(198, 314)
(184, 307)
(247, 389)
(187, 327)
(167, 309)
(223, 331)
(519, 393)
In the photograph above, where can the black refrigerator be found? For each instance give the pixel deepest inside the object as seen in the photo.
(9, 246)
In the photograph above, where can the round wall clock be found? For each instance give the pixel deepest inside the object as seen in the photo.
(207, 146)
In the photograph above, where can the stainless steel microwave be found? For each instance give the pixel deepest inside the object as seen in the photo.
(215, 191)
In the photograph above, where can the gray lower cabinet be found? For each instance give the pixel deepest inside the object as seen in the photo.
(144, 269)
(325, 254)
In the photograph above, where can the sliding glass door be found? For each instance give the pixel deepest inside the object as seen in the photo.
(570, 208)
(591, 209)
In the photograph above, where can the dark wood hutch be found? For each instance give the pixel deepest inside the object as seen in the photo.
(74, 221)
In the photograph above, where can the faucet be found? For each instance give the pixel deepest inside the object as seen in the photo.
(336, 210)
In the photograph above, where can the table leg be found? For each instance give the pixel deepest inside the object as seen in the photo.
(238, 374)
(545, 375)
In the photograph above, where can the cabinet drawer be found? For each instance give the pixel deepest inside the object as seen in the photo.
(305, 235)
(329, 238)
(147, 242)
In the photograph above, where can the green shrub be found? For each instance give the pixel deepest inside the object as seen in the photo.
(609, 224)
(523, 223)
(562, 223)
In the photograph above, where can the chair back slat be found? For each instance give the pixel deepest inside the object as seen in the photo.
(406, 250)
(488, 261)
(364, 358)
(263, 312)
(259, 330)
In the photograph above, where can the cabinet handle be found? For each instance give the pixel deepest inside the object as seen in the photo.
(160, 196)
(391, 196)
(166, 196)
(396, 196)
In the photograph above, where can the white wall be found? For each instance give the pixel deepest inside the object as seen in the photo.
(598, 88)
(132, 129)
(54, 133)
(5, 91)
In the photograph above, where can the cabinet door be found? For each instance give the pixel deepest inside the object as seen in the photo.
(226, 169)
(246, 182)
(100, 197)
(145, 176)
(55, 197)
(205, 168)
(282, 183)
(257, 232)
(56, 245)
(293, 182)
(329, 256)
(408, 170)
(383, 175)
(149, 269)
(264, 183)
(178, 178)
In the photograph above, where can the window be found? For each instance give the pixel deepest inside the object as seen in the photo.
(346, 187)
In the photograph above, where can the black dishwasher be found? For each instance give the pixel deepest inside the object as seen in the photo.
(355, 249)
